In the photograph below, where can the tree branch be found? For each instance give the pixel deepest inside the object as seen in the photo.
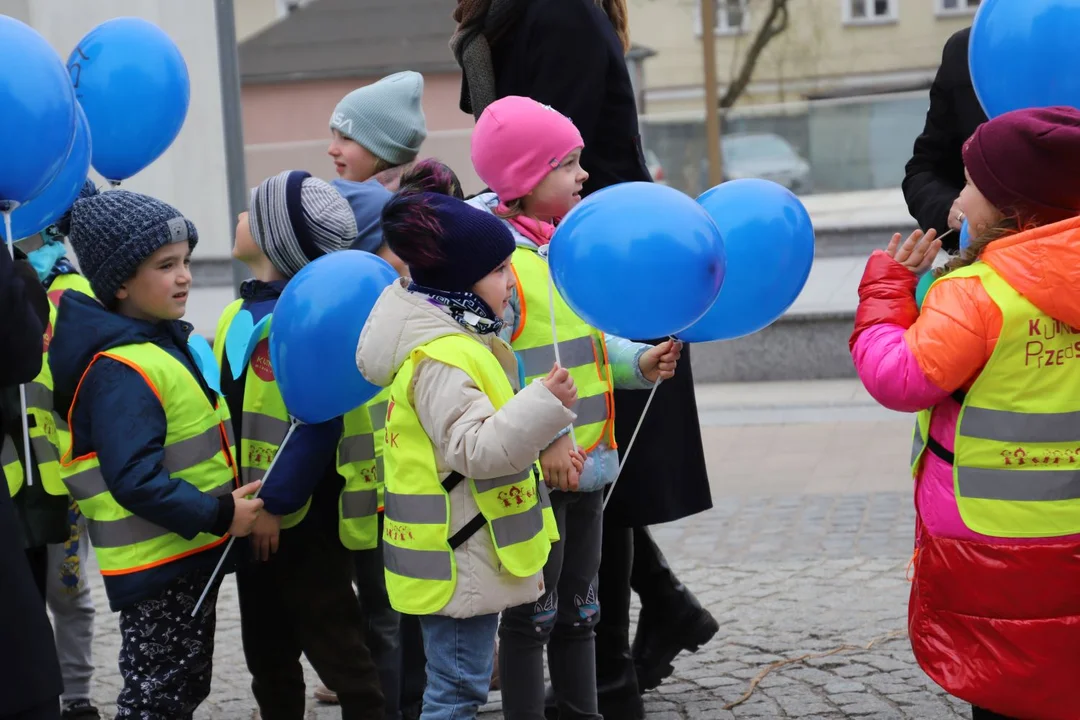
(775, 24)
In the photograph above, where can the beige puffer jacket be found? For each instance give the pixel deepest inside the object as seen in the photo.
(467, 433)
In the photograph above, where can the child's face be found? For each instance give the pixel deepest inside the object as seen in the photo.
(159, 288)
(559, 191)
(352, 160)
(244, 248)
(495, 287)
(977, 209)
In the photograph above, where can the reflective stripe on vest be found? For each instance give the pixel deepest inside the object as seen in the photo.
(265, 420)
(1016, 468)
(13, 469)
(581, 349)
(358, 505)
(196, 450)
(421, 568)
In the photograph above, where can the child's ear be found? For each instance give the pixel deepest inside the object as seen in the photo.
(122, 292)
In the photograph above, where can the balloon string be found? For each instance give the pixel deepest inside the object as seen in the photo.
(630, 446)
(555, 338)
(27, 464)
(217, 570)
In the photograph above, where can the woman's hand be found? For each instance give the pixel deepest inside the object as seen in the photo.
(917, 253)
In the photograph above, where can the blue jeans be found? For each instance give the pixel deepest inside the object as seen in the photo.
(460, 653)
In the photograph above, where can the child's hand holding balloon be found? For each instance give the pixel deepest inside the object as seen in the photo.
(659, 362)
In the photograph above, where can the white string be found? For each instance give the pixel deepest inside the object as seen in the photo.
(232, 539)
(630, 446)
(27, 464)
(555, 339)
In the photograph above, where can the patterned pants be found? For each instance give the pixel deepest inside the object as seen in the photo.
(166, 656)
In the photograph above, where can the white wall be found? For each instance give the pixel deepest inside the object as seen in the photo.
(191, 175)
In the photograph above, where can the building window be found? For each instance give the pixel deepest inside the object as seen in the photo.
(957, 7)
(732, 17)
(871, 12)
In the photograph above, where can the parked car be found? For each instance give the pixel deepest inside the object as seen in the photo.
(763, 155)
(767, 156)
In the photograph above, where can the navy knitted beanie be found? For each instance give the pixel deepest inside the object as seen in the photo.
(114, 231)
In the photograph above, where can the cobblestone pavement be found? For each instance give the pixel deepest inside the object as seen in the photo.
(804, 552)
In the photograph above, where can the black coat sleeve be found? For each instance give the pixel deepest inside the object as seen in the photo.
(24, 314)
(934, 176)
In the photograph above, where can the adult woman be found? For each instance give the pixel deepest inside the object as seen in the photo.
(569, 54)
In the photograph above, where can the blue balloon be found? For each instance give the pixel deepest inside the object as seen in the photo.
(58, 196)
(37, 112)
(133, 84)
(315, 331)
(965, 235)
(638, 260)
(1022, 54)
(770, 247)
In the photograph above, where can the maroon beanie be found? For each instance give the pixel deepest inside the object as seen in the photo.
(1025, 162)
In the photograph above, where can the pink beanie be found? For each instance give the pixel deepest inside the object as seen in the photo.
(517, 142)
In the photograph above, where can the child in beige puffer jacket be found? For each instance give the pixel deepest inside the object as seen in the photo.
(467, 525)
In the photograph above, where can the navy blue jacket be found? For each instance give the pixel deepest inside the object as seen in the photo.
(310, 455)
(120, 418)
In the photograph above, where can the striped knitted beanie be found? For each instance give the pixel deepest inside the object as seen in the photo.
(296, 218)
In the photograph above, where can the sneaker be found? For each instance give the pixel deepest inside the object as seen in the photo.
(80, 710)
(325, 695)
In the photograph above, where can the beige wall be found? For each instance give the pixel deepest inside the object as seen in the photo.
(284, 112)
(252, 16)
(817, 52)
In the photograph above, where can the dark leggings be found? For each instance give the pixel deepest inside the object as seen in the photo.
(977, 713)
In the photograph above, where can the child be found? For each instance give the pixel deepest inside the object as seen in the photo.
(67, 583)
(376, 130)
(990, 365)
(401, 667)
(467, 528)
(297, 597)
(149, 457)
(529, 155)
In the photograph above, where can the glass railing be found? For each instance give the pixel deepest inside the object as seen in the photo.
(820, 146)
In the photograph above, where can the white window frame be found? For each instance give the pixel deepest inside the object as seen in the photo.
(966, 8)
(722, 28)
(892, 16)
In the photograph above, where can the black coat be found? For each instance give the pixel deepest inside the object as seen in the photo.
(29, 671)
(566, 54)
(934, 176)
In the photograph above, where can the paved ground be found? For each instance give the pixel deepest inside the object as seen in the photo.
(804, 553)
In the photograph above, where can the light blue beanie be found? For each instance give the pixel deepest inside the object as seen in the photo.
(385, 117)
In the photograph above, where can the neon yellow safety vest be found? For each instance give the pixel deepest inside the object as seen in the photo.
(198, 448)
(421, 570)
(359, 461)
(581, 348)
(48, 432)
(265, 419)
(1016, 462)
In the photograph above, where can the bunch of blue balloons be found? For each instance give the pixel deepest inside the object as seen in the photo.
(644, 261)
(117, 105)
